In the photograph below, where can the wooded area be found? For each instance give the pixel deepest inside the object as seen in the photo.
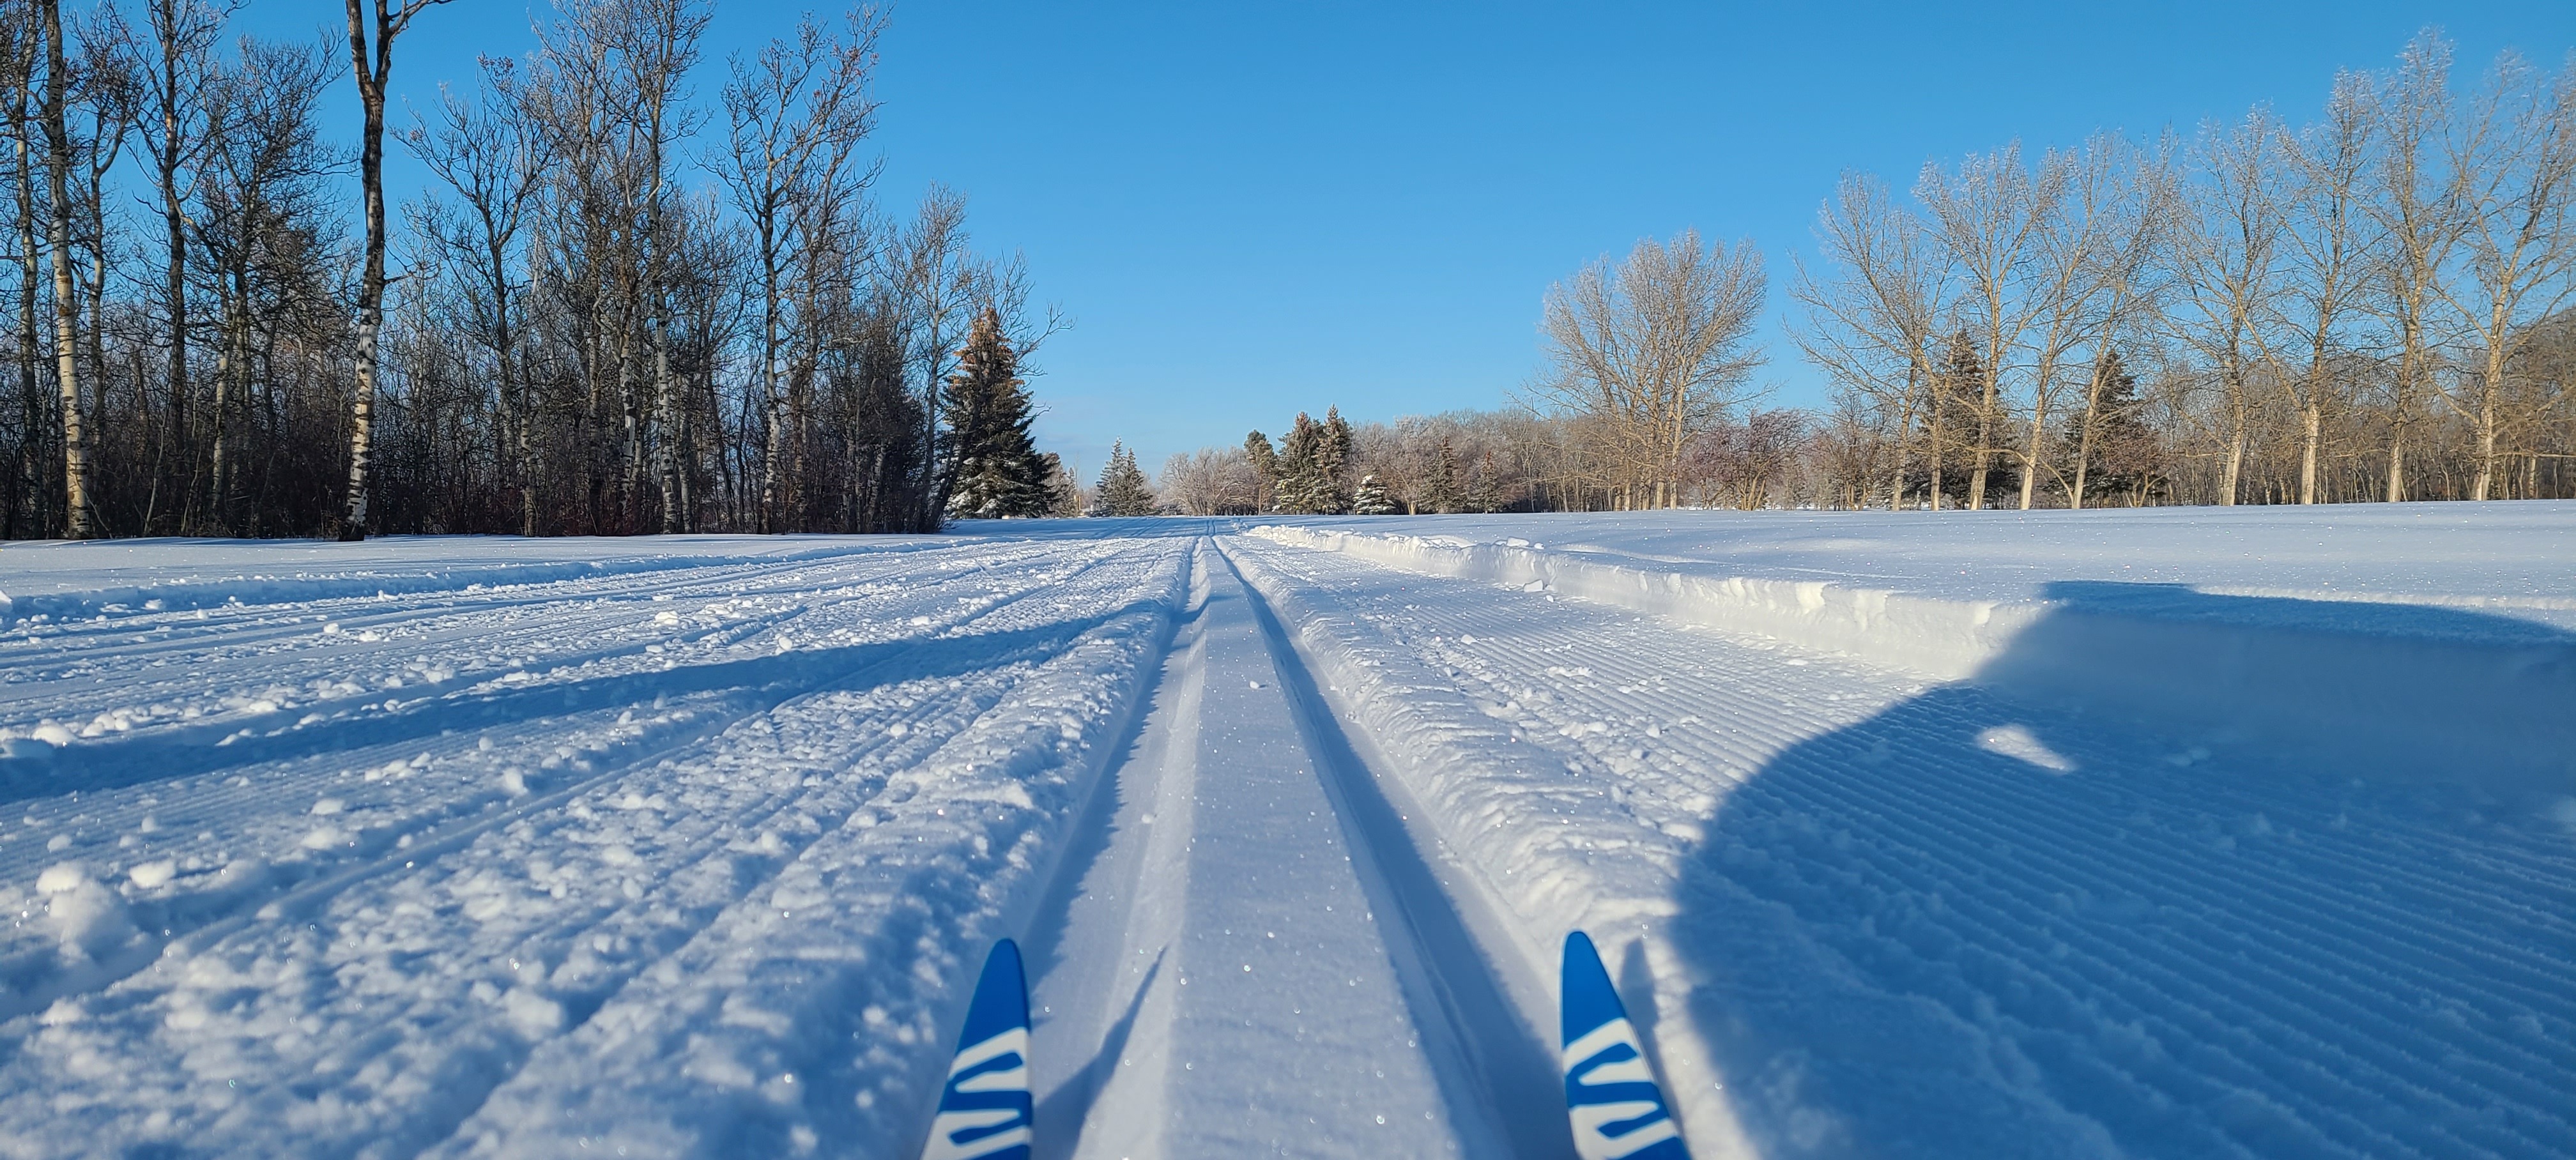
(556, 338)
(2372, 304)
(2378, 304)
(559, 337)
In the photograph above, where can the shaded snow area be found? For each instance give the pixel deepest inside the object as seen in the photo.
(2164, 833)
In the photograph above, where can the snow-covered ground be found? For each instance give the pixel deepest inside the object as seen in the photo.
(2167, 833)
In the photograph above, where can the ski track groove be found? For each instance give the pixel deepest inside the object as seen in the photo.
(319, 893)
(2162, 952)
(83, 685)
(1494, 1065)
(2293, 1006)
(19, 859)
(546, 1116)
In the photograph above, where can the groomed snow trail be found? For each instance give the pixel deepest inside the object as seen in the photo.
(680, 864)
(1869, 915)
(1230, 978)
(692, 849)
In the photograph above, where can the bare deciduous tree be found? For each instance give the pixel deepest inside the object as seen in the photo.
(2519, 176)
(1991, 216)
(796, 113)
(2230, 253)
(2326, 248)
(1652, 349)
(1872, 314)
(78, 522)
(371, 60)
(493, 156)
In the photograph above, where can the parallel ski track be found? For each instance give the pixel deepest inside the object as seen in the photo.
(643, 928)
(2271, 976)
(221, 807)
(75, 672)
(1490, 1053)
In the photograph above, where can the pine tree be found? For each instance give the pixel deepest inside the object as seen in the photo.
(1333, 452)
(1485, 493)
(1123, 490)
(997, 471)
(1305, 483)
(1371, 499)
(2126, 460)
(1265, 469)
(1440, 489)
(1951, 423)
(1064, 492)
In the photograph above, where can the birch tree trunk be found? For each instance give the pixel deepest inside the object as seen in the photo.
(78, 522)
(371, 69)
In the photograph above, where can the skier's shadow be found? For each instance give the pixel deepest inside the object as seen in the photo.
(1068, 1107)
(1984, 922)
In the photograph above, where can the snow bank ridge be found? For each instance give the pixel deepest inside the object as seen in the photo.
(2411, 689)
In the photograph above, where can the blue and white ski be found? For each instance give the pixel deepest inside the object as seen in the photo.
(984, 1112)
(1618, 1111)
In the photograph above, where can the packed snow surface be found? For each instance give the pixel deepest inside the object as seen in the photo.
(2244, 833)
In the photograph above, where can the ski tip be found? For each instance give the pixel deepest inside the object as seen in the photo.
(1589, 1000)
(1616, 1108)
(985, 1109)
(1001, 997)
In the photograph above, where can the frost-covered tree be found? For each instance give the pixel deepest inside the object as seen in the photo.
(1265, 471)
(1371, 499)
(1333, 451)
(1122, 490)
(1309, 460)
(999, 472)
(1440, 483)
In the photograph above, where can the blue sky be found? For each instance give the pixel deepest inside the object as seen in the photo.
(1253, 209)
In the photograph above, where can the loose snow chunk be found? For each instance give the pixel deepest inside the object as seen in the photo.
(323, 838)
(667, 619)
(533, 1014)
(89, 918)
(61, 878)
(52, 734)
(2016, 741)
(328, 806)
(153, 875)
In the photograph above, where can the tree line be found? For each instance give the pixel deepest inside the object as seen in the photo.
(643, 292)
(2378, 303)
(2371, 304)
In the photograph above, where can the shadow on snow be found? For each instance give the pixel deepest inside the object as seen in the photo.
(1989, 921)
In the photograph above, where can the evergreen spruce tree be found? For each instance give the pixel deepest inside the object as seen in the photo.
(1371, 499)
(2127, 461)
(1333, 456)
(1064, 492)
(1123, 490)
(1485, 494)
(1952, 423)
(996, 470)
(1305, 487)
(1440, 490)
(1265, 469)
